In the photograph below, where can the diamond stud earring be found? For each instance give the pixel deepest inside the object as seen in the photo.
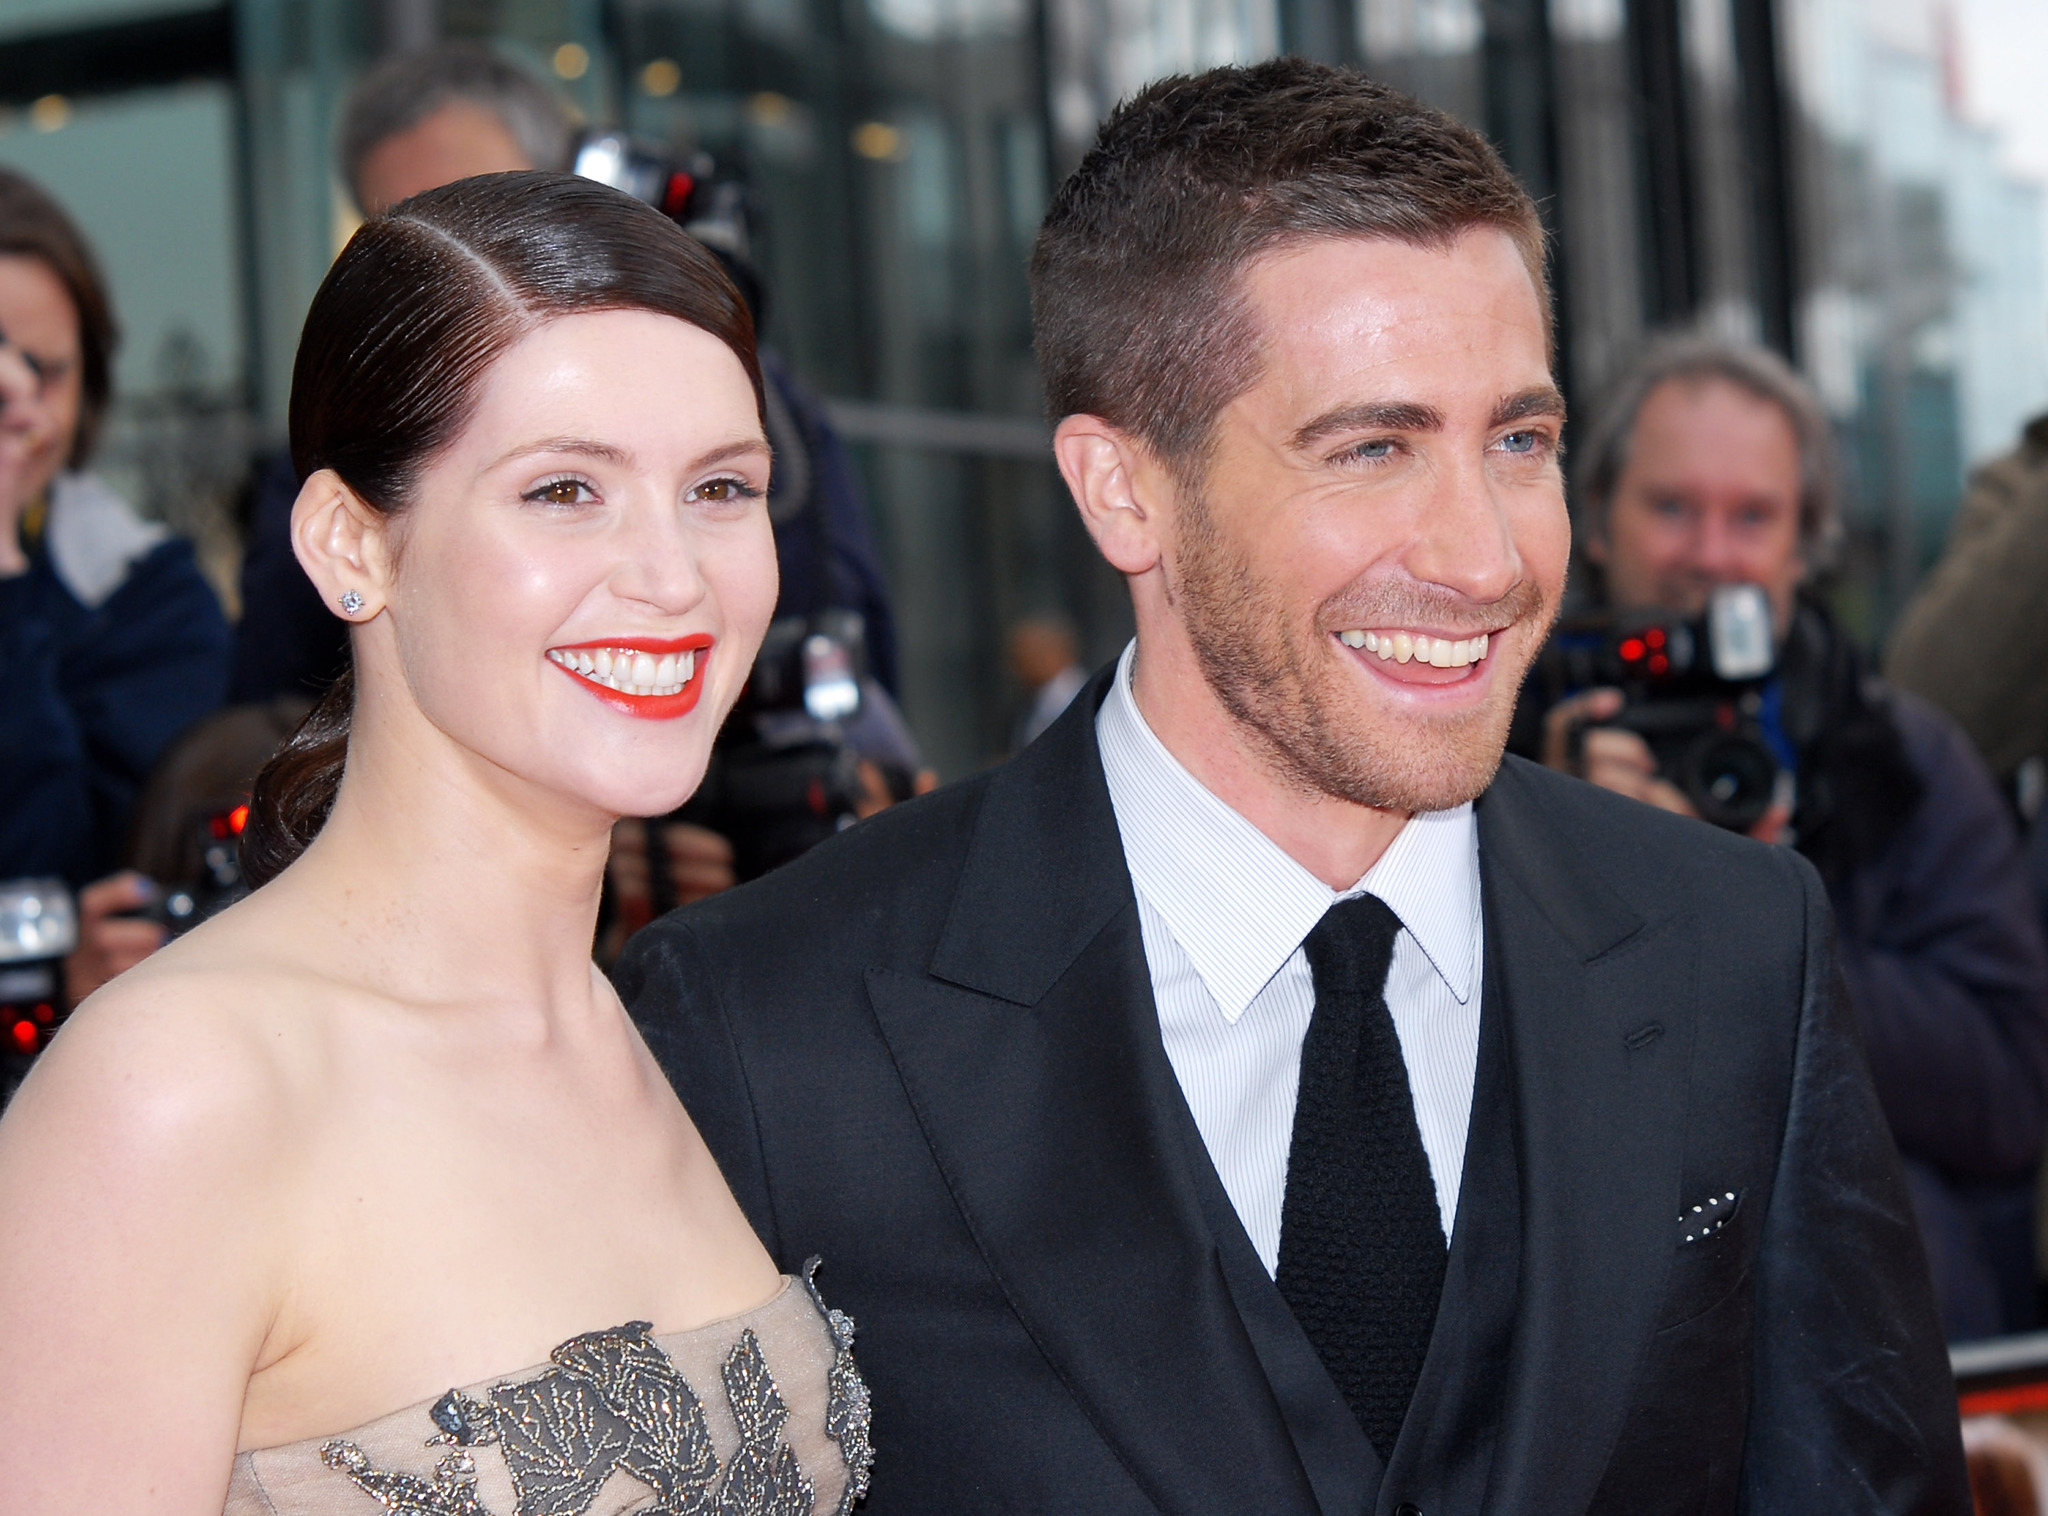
(351, 602)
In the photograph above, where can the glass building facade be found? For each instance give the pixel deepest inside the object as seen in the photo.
(1789, 170)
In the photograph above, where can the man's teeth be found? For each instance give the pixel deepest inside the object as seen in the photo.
(1404, 647)
(627, 671)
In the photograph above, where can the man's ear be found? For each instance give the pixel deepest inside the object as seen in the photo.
(343, 544)
(1120, 488)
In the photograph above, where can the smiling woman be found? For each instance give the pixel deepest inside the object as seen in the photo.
(381, 1129)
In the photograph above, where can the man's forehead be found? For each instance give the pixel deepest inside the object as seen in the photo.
(1374, 321)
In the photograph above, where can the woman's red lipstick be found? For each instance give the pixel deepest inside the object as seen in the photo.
(636, 676)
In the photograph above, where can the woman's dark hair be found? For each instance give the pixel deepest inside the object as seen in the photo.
(421, 303)
(32, 225)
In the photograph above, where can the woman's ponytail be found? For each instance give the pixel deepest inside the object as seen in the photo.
(296, 789)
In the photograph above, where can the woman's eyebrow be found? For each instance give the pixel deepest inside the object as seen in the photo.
(588, 447)
(737, 448)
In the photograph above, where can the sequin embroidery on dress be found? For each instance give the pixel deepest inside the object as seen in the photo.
(614, 1402)
(849, 1414)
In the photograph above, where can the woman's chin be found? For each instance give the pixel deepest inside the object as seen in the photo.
(654, 796)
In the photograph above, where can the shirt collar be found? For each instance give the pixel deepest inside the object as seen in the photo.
(1236, 903)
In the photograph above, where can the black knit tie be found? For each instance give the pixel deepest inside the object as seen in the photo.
(1361, 1245)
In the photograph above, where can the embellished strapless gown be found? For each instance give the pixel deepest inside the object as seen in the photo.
(762, 1414)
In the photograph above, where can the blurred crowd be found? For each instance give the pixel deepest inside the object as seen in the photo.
(1699, 670)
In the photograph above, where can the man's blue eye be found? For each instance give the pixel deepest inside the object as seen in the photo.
(1522, 442)
(1379, 449)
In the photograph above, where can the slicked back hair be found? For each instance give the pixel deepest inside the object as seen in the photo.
(1137, 301)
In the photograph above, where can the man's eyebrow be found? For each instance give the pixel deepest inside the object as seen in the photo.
(1542, 401)
(1371, 415)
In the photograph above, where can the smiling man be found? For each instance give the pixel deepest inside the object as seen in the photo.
(1255, 1097)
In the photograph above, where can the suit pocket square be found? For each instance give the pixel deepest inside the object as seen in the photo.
(1708, 1219)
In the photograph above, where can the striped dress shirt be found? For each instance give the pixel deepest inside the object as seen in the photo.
(1223, 912)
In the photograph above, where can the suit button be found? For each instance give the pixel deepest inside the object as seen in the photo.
(1407, 1508)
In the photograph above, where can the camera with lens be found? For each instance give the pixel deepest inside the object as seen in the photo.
(214, 884)
(38, 930)
(1693, 690)
(783, 776)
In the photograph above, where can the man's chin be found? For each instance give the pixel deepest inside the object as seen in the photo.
(1402, 764)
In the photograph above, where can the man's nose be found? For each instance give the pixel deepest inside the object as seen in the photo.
(1463, 538)
(1716, 555)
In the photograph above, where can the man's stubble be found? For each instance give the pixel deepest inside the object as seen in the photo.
(1284, 687)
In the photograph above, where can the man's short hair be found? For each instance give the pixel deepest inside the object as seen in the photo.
(1749, 367)
(401, 92)
(1136, 284)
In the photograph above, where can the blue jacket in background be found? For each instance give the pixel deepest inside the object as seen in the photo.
(1941, 946)
(112, 643)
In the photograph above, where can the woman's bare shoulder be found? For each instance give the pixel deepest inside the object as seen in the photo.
(205, 1047)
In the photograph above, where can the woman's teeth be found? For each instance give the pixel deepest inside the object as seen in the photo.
(1404, 647)
(627, 671)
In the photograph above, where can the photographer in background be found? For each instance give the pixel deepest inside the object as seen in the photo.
(1713, 466)
(455, 110)
(110, 639)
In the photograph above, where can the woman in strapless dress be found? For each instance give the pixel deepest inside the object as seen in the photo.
(365, 1195)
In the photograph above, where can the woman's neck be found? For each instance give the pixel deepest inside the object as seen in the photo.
(440, 878)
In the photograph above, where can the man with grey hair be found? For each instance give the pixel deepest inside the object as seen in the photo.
(1713, 464)
(424, 118)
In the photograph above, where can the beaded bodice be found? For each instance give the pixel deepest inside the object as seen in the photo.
(762, 1414)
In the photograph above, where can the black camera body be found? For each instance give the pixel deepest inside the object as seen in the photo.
(1692, 689)
(782, 776)
(38, 928)
(181, 907)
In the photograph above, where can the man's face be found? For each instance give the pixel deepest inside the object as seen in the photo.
(1710, 495)
(459, 141)
(1391, 480)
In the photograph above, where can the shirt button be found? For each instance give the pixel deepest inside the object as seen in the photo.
(1407, 1508)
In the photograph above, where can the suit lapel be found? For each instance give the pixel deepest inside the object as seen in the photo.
(1028, 1056)
(1585, 981)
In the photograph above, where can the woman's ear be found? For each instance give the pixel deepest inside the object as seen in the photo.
(1118, 487)
(344, 545)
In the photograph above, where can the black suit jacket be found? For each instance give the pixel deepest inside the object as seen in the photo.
(928, 1051)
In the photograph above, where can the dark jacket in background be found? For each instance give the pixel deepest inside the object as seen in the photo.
(95, 681)
(1941, 946)
(928, 1050)
(288, 643)
(1974, 639)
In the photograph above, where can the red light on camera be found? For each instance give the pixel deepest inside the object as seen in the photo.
(25, 1036)
(1654, 636)
(1632, 650)
(677, 197)
(1659, 663)
(237, 819)
(46, 1013)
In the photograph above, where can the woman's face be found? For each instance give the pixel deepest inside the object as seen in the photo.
(40, 320)
(585, 574)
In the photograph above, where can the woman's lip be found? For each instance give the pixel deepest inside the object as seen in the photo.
(647, 707)
(693, 643)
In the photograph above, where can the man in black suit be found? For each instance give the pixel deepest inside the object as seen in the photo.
(1255, 1097)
